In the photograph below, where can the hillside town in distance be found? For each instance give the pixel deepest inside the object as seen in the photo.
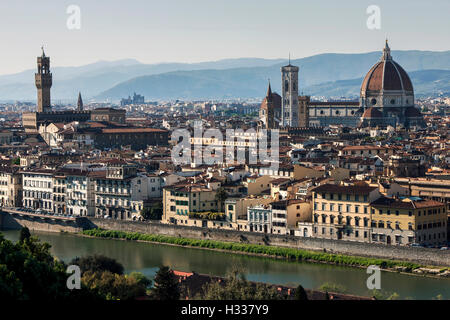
(376, 170)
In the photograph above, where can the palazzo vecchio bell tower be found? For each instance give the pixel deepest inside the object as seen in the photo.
(43, 79)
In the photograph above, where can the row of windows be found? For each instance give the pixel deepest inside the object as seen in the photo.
(348, 232)
(111, 182)
(114, 202)
(347, 197)
(434, 236)
(37, 184)
(182, 212)
(426, 226)
(81, 203)
(113, 190)
(258, 216)
(388, 224)
(36, 204)
(362, 152)
(340, 220)
(37, 194)
(410, 213)
(339, 208)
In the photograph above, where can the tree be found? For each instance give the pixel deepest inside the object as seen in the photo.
(236, 287)
(115, 286)
(221, 196)
(153, 213)
(166, 285)
(24, 234)
(29, 272)
(141, 279)
(300, 293)
(332, 287)
(98, 263)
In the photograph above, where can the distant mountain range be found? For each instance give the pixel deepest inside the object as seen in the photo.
(329, 75)
(425, 82)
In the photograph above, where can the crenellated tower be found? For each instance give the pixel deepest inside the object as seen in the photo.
(43, 79)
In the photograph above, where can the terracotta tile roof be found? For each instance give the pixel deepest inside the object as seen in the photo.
(406, 204)
(132, 130)
(332, 188)
(386, 75)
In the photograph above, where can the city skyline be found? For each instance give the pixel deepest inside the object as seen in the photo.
(174, 31)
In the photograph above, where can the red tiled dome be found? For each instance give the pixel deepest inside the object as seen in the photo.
(372, 113)
(387, 75)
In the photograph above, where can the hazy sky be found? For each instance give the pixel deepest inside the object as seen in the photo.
(204, 30)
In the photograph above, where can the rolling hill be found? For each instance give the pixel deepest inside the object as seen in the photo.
(245, 77)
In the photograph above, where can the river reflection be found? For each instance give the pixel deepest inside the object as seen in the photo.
(146, 258)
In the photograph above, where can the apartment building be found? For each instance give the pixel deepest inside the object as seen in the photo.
(367, 151)
(260, 219)
(343, 212)
(38, 189)
(404, 221)
(59, 193)
(282, 171)
(286, 214)
(116, 189)
(236, 209)
(182, 200)
(155, 184)
(10, 187)
(80, 198)
(433, 189)
(257, 184)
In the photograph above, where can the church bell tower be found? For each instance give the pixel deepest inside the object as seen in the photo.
(289, 103)
(43, 79)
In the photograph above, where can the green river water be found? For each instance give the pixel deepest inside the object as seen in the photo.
(146, 258)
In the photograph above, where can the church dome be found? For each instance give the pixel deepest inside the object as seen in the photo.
(386, 75)
(387, 85)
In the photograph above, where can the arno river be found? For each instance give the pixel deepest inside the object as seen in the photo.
(146, 258)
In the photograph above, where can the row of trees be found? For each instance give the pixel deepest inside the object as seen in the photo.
(28, 271)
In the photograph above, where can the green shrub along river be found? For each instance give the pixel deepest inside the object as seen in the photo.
(287, 253)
